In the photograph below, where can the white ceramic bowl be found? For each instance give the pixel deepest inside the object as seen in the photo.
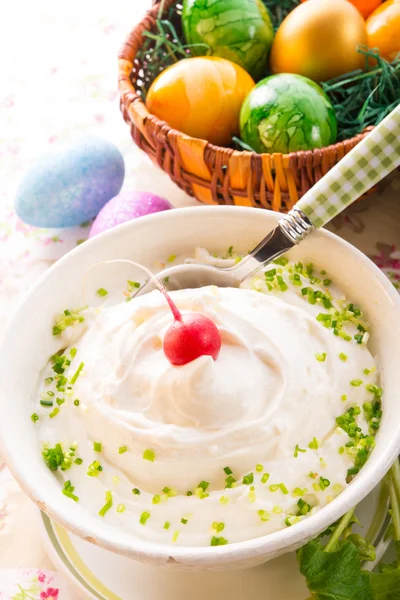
(29, 342)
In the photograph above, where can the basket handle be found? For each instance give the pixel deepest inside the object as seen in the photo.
(370, 161)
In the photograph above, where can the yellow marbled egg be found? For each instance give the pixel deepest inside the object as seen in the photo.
(201, 97)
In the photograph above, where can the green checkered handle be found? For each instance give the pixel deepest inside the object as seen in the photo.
(373, 158)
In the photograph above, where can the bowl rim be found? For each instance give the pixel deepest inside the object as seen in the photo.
(107, 537)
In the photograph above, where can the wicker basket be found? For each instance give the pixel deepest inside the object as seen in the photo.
(216, 175)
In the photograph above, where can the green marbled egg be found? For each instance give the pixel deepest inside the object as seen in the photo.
(285, 113)
(239, 30)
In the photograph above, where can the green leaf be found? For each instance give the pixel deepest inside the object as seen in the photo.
(386, 586)
(335, 575)
(366, 551)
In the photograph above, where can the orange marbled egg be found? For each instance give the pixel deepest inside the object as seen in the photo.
(201, 97)
(383, 29)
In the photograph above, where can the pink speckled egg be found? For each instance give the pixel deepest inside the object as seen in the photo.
(125, 207)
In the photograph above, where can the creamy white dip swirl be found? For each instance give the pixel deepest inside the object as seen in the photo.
(266, 395)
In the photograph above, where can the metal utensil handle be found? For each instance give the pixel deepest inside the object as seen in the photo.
(373, 158)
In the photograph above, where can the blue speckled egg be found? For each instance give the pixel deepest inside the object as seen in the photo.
(70, 185)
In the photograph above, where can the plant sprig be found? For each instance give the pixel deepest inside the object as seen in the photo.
(334, 571)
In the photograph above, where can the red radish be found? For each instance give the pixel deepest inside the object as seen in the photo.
(191, 335)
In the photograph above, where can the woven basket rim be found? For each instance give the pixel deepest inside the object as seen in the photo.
(129, 97)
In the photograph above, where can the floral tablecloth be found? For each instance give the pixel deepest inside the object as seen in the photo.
(59, 72)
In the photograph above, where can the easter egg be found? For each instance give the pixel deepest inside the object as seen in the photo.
(201, 96)
(318, 39)
(285, 113)
(70, 185)
(383, 29)
(366, 7)
(239, 31)
(125, 207)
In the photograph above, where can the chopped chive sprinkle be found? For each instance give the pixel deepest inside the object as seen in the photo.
(136, 491)
(281, 260)
(48, 380)
(121, 508)
(277, 510)
(171, 258)
(189, 493)
(167, 525)
(175, 536)
(297, 450)
(149, 455)
(78, 461)
(60, 401)
(97, 446)
(299, 492)
(265, 478)
(218, 541)
(56, 458)
(230, 250)
(94, 469)
(229, 481)
(264, 515)
(248, 479)
(122, 449)
(324, 483)
(102, 292)
(218, 527)
(76, 402)
(325, 319)
(344, 397)
(259, 468)
(224, 500)
(353, 471)
(343, 356)
(77, 373)
(321, 357)
(374, 389)
(252, 494)
(367, 371)
(327, 282)
(274, 487)
(314, 444)
(156, 499)
(228, 471)
(303, 506)
(184, 521)
(68, 490)
(46, 402)
(283, 488)
(200, 493)
(203, 485)
(144, 517)
(54, 412)
(72, 352)
(356, 382)
(134, 284)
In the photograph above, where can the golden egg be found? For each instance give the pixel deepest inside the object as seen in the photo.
(201, 97)
(319, 39)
